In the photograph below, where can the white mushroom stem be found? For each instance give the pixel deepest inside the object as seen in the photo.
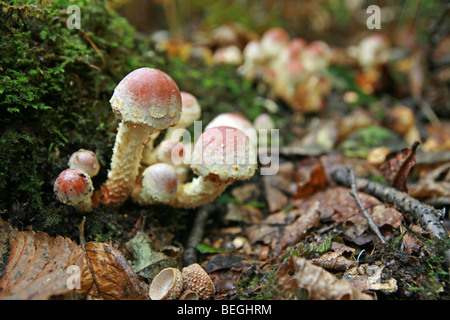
(148, 153)
(124, 163)
(198, 192)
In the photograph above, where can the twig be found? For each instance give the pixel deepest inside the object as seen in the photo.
(196, 235)
(427, 216)
(354, 193)
(83, 246)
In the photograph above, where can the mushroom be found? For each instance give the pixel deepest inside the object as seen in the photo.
(191, 111)
(167, 285)
(234, 120)
(159, 184)
(316, 57)
(85, 160)
(273, 41)
(196, 279)
(228, 55)
(146, 101)
(221, 156)
(74, 187)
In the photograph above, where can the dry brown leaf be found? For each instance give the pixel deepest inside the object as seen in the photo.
(277, 186)
(297, 230)
(299, 274)
(110, 276)
(397, 169)
(37, 266)
(434, 184)
(310, 177)
(335, 261)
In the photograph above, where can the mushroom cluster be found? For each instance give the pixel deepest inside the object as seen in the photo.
(292, 69)
(148, 101)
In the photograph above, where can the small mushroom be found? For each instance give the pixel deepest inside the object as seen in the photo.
(85, 160)
(196, 279)
(273, 41)
(167, 285)
(190, 112)
(221, 156)
(159, 185)
(146, 101)
(235, 120)
(74, 187)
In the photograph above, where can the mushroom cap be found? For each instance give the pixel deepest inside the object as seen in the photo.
(171, 152)
(196, 279)
(85, 160)
(191, 110)
(148, 97)
(224, 152)
(263, 121)
(160, 181)
(167, 285)
(273, 40)
(230, 119)
(73, 187)
(316, 56)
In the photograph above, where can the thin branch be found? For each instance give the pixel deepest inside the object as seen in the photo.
(196, 235)
(369, 218)
(83, 246)
(427, 216)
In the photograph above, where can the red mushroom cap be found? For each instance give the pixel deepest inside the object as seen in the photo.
(147, 96)
(230, 119)
(225, 152)
(73, 187)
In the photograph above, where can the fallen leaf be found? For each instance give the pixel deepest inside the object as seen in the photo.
(309, 176)
(297, 273)
(297, 230)
(36, 264)
(110, 276)
(334, 261)
(397, 170)
(146, 261)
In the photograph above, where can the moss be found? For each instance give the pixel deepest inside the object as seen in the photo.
(55, 86)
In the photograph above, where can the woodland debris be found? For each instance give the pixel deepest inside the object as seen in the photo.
(196, 235)
(297, 273)
(110, 276)
(397, 169)
(146, 261)
(335, 260)
(37, 265)
(428, 216)
(370, 277)
(354, 193)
